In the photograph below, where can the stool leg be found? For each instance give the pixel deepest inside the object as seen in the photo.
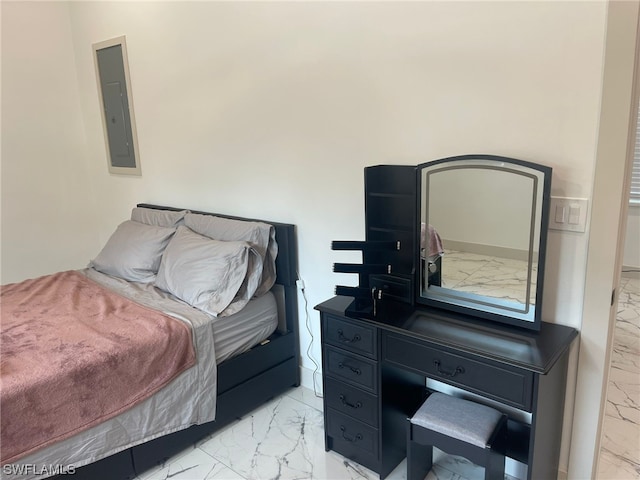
(419, 459)
(494, 469)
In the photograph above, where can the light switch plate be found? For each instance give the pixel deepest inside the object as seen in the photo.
(568, 214)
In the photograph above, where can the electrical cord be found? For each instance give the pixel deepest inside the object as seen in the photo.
(301, 286)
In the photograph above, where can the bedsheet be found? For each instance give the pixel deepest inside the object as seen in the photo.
(75, 354)
(430, 242)
(232, 334)
(189, 399)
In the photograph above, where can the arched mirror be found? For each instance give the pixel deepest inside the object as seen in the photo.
(483, 228)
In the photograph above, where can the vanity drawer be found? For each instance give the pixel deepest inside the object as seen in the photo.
(513, 386)
(353, 435)
(350, 335)
(351, 401)
(357, 370)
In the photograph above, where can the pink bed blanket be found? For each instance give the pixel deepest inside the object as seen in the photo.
(74, 354)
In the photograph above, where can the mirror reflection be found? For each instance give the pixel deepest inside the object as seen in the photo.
(481, 226)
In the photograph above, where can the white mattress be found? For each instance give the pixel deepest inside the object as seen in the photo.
(188, 400)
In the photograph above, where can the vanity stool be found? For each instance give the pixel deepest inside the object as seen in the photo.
(459, 427)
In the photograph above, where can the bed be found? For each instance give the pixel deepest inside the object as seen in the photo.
(244, 345)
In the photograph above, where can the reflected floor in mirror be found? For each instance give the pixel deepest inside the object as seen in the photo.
(487, 275)
(284, 439)
(620, 447)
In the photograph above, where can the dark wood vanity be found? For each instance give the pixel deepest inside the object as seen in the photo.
(374, 372)
(388, 341)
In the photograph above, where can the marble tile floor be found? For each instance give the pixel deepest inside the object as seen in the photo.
(620, 447)
(284, 440)
(487, 275)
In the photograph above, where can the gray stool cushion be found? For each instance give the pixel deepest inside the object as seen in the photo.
(467, 421)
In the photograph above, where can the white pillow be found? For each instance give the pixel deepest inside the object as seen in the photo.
(205, 273)
(133, 252)
(261, 236)
(158, 217)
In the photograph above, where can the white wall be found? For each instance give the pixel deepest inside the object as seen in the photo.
(272, 110)
(47, 224)
(482, 207)
(616, 139)
(631, 258)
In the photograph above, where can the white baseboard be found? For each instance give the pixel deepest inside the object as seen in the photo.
(491, 250)
(630, 272)
(307, 379)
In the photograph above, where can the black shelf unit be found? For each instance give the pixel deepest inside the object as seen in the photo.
(390, 213)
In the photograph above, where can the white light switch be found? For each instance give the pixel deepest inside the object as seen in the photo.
(574, 214)
(568, 214)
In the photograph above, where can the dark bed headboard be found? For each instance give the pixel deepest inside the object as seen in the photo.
(286, 263)
(287, 259)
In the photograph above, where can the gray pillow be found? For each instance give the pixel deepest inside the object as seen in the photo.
(133, 252)
(261, 236)
(205, 273)
(159, 218)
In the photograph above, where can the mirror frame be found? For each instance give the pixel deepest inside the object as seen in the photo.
(455, 303)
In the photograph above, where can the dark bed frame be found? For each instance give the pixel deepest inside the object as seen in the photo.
(245, 381)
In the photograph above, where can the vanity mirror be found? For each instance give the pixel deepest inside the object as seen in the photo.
(483, 227)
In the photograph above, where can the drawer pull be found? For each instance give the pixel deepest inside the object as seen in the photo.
(355, 370)
(343, 399)
(445, 373)
(356, 337)
(347, 437)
